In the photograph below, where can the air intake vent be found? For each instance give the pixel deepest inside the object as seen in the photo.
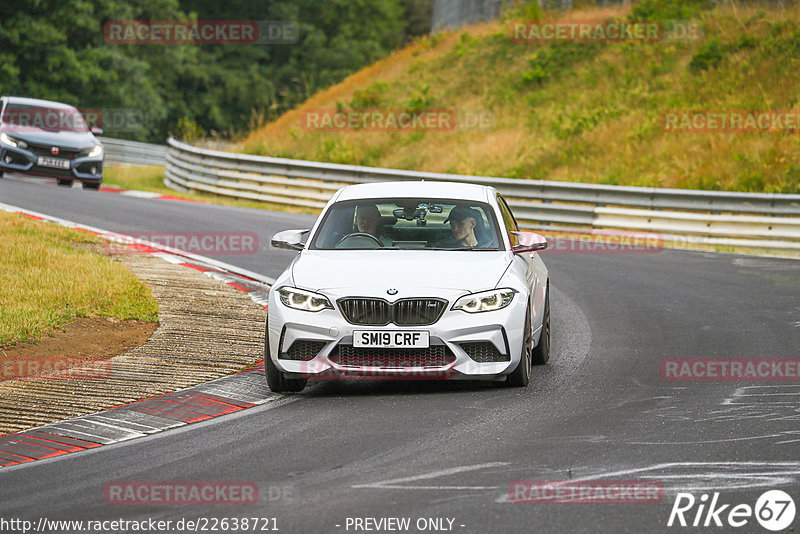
(404, 312)
(303, 350)
(484, 352)
(433, 356)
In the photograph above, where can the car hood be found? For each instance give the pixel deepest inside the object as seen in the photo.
(67, 140)
(372, 272)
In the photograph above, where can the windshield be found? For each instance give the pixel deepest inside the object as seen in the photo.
(44, 118)
(408, 223)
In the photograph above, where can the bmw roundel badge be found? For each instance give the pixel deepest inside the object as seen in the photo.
(391, 291)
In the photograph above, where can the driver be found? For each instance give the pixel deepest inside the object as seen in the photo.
(368, 221)
(466, 224)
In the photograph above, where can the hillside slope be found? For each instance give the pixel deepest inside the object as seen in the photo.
(574, 111)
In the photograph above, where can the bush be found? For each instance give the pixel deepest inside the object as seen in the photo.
(522, 10)
(710, 55)
(420, 101)
(536, 75)
(669, 9)
(370, 97)
(557, 58)
(188, 130)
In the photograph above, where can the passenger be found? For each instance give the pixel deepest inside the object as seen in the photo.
(467, 227)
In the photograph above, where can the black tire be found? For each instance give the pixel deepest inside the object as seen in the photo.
(520, 377)
(65, 183)
(1, 175)
(541, 353)
(276, 379)
(91, 186)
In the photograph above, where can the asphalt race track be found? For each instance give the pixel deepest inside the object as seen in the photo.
(599, 411)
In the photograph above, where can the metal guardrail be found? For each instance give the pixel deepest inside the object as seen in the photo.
(124, 152)
(763, 219)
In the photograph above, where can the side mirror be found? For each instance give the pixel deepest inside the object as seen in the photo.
(290, 239)
(528, 242)
(97, 131)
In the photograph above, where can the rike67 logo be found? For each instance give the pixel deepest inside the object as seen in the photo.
(774, 510)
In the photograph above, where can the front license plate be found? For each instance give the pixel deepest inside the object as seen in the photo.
(55, 163)
(392, 339)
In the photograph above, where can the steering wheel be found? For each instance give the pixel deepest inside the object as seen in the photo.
(359, 234)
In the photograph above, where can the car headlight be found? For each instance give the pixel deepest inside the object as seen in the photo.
(96, 151)
(496, 299)
(300, 299)
(6, 140)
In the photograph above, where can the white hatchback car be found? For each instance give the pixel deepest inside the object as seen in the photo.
(409, 280)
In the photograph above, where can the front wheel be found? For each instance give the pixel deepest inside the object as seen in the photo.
(64, 183)
(91, 186)
(276, 379)
(541, 354)
(522, 374)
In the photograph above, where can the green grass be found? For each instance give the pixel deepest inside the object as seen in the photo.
(51, 275)
(150, 178)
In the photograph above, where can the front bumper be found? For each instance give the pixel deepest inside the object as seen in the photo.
(455, 329)
(81, 168)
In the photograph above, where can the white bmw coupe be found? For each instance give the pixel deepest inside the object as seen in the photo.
(409, 280)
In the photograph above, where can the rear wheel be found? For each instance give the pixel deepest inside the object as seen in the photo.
(276, 379)
(541, 354)
(65, 183)
(522, 374)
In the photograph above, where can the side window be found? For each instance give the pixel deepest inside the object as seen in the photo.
(509, 221)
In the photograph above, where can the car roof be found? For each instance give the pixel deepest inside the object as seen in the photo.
(35, 102)
(450, 190)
